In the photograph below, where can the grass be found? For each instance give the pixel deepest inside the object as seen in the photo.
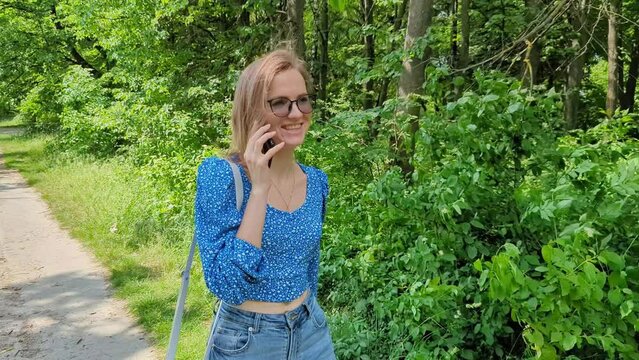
(9, 121)
(109, 207)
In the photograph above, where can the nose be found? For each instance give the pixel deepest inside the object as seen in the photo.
(295, 112)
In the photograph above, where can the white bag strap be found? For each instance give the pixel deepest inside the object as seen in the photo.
(186, 273)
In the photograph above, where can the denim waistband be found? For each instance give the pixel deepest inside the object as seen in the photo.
(257, 321)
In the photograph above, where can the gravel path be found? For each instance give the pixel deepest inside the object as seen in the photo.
(54, 300)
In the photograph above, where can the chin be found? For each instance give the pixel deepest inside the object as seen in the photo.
(293, 143)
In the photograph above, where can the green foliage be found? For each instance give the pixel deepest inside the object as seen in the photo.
(40, 109)
(412, 244)
(574, 287)
(404, 264)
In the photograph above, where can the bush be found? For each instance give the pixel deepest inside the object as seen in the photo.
(575, 287)
(40, 109)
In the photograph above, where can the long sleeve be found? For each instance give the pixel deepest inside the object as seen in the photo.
(230, 264)
(313, 266)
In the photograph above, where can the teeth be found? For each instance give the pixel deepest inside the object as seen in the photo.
(292, 127)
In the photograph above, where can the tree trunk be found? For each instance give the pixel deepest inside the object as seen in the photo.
(578, 20)
(464, 59)
(454, 45)
(613, 84)
(397, 24)
(320, 14)
(412, 78)
(367, 7)
(532, 56)
(628, 99)
(295, 19)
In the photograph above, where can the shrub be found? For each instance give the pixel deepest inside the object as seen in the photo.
(575, 288)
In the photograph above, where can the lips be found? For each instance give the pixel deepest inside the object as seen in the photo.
(292, 126)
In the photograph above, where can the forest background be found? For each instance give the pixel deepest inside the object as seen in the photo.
(482, 156)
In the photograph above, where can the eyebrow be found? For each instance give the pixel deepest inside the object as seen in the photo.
(286, 97)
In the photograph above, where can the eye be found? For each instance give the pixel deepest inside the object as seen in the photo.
(280, 102)
(303, 99)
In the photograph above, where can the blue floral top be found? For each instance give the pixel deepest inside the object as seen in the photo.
(287, 263)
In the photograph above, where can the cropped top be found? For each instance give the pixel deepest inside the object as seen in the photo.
(235, 270)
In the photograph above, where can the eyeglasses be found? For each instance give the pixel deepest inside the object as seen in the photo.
(281, 106)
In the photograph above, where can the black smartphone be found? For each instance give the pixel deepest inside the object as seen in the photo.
(267, 146)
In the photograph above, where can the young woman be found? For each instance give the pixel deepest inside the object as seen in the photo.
(262, 261)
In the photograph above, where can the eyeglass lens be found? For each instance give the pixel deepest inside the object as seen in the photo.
(283, 106)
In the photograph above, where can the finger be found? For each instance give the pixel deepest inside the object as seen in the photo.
(256, 134)
(269, 154)
(259, 143)
(256, 125)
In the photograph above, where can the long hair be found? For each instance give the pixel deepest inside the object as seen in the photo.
(249, 102)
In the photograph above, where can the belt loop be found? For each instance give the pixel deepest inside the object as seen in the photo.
(256, 322)
(307, 304)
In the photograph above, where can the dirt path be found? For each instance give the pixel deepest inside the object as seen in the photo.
(54, 300)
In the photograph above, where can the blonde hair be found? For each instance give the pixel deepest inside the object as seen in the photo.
(249, 102)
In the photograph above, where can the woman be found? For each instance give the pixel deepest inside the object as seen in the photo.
(262, 261)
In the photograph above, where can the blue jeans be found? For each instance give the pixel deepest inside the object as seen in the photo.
(300, 334)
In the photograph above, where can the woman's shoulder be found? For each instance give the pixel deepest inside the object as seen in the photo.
(215, 168)
(317, 176)
(314, 171)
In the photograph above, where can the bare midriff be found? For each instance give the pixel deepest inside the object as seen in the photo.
(265, 307)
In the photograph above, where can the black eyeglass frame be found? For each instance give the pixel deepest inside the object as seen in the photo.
(290, 104)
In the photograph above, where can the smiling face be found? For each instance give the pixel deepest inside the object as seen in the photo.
(291, 129)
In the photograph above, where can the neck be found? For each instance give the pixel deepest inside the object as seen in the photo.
(283, 162)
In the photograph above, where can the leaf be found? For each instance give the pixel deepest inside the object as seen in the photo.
(547, 353)
(471, 251)
(613, 260)
(546, 253)
(338, 5)
(537, 339)
(615, 297)
(477, 224)
(626, 308)
(514, 107)
(477, 265)
(564, 204)
(458, 81)
(489, 98)
(591, 272)
(568, 342)
(511, 250)
(482, 278)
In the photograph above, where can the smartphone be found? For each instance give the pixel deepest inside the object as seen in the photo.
(267, 146)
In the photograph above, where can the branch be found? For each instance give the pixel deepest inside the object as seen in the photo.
(76, 57)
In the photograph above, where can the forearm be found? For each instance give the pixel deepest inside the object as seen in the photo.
(252, 224)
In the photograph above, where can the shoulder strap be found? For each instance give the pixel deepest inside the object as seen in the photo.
(239, 188)
(186, 273)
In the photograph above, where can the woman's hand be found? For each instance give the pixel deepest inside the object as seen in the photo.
(256, 162)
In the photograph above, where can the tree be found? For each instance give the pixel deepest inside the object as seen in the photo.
(320, 64)
(367, 8)
(613, 72)
(464, 58)
(628, 97)
(295, 19)
(578, 19)
(532, 55)
(410, 82)
(398, 22)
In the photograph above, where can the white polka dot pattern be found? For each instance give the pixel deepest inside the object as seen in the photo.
(288, 261)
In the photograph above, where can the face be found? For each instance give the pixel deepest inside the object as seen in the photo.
(292, 128)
